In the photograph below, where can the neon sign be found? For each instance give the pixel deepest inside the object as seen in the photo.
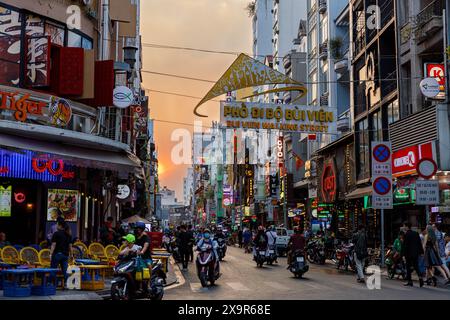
(19, 197)
(54, 166)
(21, 106)
(329, 186)
(4, 170)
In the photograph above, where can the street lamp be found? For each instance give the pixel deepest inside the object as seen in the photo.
(129, 55)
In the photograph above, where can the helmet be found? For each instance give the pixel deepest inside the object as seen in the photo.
(129, 238)
(140, 225)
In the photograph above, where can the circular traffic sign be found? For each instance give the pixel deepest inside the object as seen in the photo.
(381, 153)
(426, 168)
(430, 87)
(382, 185)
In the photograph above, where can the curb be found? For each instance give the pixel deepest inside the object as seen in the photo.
(180, 278)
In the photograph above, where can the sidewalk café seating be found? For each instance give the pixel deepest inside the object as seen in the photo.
(10, 255)
(18, 247)
(36, 246)
(97, 251)
(112, 252)
(77, 253)
(83, 248)
(44, 244)
(122, 247)
(93, 277)
(29, 256)
(44, 258)
(17, 282)
(0, 254)
(45, 282)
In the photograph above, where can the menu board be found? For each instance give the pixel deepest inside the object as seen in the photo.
(64, 203)
(5, 201)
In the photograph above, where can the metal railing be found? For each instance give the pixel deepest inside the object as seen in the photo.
(405, 33)
(434, 9)
(322, 6)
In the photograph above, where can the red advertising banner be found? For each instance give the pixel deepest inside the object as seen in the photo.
(404, 161)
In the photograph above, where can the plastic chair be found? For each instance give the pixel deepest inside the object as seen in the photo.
(77, 252)
(30, 256)
(112, 252)
(36, 247)
(44, 258)
(43, 244)
(1, 255)
(10, 255)
(122, 247)
(97, 251)
(83, 248)
(18, 247)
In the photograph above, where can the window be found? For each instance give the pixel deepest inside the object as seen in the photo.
(393, 112)
(74, 40)
(376, 127)
(324, 29)
(56, 33)
(87, 44)
(362, 149)
(314, 87)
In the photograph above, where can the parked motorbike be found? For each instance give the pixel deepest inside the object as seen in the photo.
(174, 250)
(208, 267)
(260, 257)
(395, 265)
(125, 286)
(222, 249)
(345, 258)
(315, 251)
(271, 255)
(298, 265)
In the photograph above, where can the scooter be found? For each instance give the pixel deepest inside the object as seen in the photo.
(260, 257)
(125, 281)
(395, 265)
(344, 257)
(315, 251)
(208, 268)
(271, 255)
(298, 265)
(222, 249)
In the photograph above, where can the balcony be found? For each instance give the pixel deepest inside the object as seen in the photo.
(359, 43)
(405, 33)
(341, 66)
(312, 10)
(324, 100)
(323, 50)
(429, 20)
(322, 6)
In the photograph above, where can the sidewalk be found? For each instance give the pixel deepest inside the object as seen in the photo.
(60, 295)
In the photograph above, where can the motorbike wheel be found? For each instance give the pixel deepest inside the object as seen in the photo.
(203, 280)
(309, 258)
(118, 292)
(158, 297)
(299, 275)
(391, 273)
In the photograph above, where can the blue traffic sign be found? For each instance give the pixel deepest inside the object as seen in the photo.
(381, 153)
(382, 186)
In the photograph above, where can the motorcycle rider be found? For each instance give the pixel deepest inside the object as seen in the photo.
(143, 240)
(297, 242)
(260, 241)
(272, 238)
(207, 239)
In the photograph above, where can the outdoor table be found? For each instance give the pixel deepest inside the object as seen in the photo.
(88, 262)
(17, 282)
(164, 257)
(45, 282)
(8, 266)
(93, 277)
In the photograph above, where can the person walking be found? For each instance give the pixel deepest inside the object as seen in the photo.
(61, 248)
(412, 250)
(360, 241)
(247, 237)
(191, 243)
(440, 242)
(432, 260)
(184, 238)
(240, 235)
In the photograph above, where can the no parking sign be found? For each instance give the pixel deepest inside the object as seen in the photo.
(381, 175)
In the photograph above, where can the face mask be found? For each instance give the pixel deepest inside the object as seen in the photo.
(206, 235)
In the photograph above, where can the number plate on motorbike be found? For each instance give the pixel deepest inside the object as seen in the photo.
(263, 253)
(271, 251)
(300, 259)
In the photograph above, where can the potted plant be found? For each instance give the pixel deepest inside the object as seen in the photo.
(336, 48)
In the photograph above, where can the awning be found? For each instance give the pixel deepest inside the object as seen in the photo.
(78, 156)
(301, 184)
(359, 193)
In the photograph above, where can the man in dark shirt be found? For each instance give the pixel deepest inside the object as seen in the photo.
(61, 248)
(191, 244)
(240, 236)
(297, 242)
(412, 250)
(143, 240)
(185, 239)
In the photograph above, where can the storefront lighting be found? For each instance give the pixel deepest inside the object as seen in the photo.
(30, 206)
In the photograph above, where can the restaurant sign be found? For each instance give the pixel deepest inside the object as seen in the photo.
(405, 161)
(329, 182)
(269, 116)
(22, 106)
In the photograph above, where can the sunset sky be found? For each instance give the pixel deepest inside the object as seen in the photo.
(221, 25)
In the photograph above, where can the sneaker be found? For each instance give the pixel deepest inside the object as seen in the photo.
(408, 284)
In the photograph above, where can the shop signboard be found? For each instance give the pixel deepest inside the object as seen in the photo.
(329, 182)
(122, 97)
(427, 192)
(405, 161)
(381, 175)
(270, 116)
(64, 202)
(437, 72)
(5, 201)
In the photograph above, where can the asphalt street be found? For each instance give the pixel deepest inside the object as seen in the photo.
(242, 280)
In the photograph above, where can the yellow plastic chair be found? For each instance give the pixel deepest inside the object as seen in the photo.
(29, 256)
(122, 247)
(112, 252)
(84, 249)
(97, 251)
(44, 244)
(44, 258)
(10, 255)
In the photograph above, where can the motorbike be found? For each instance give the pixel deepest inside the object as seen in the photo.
(395, 265)
(174, 250)
(260, 257)
(222, 249)
(298, 265)
(208, 267)
(315, 251)
(125, 279)
(344, 257)
(271, 255)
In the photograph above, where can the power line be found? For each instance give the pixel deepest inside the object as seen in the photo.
(177, 76)
(177, 94)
